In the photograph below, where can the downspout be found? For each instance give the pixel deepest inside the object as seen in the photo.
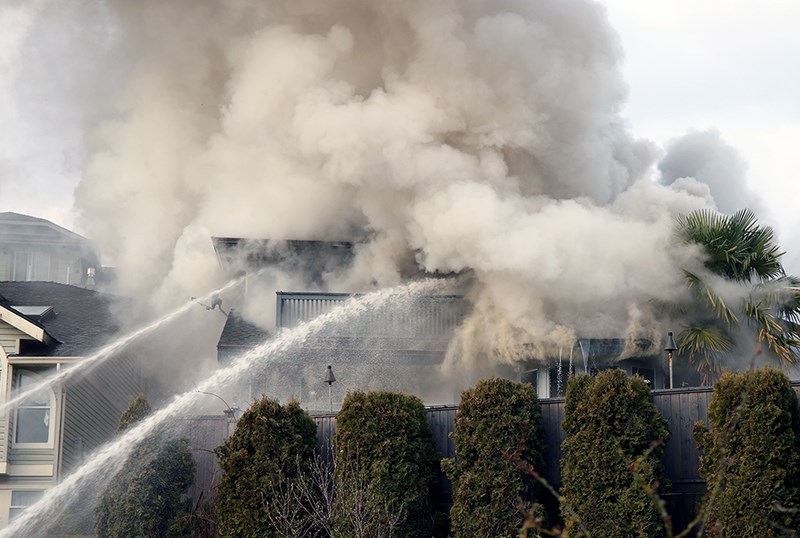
(59, 434)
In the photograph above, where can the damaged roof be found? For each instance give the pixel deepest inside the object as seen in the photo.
(237, 336)
(81, 319)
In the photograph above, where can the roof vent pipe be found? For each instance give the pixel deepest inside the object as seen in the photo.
(90, 278)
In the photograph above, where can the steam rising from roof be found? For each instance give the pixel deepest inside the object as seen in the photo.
(462, 134)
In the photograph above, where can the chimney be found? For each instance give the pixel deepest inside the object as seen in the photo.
(90, 278)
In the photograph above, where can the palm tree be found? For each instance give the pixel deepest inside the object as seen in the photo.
(742, 256)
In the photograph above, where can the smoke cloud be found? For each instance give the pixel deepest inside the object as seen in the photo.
(50, 94)
(463, 136)
(706, 157)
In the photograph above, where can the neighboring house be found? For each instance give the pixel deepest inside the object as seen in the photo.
(34, 249)
(44, 328)
(405, 346)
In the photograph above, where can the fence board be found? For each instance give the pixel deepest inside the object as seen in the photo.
(552, 417)
(680, 407)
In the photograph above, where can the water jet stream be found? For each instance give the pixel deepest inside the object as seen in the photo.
(109, 458)
(102, 354)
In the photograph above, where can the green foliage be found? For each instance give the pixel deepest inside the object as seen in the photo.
(136, 411)
(737, 248)
(273, 445)
(145, 499)
(385, 464)
(612, 453)
(750, 457)
(496, 418)
(738, 254)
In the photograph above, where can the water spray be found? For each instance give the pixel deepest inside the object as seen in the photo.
(110, 458)
(104, 353)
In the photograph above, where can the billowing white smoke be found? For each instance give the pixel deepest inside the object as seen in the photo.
(472, 135)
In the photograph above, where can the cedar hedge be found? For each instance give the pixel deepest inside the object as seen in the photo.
(146, 497)
(751, 458)
(496, 419)
(272, 446)
(613, 428)
(385, 465)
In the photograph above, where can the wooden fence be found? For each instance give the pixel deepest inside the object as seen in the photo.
(681, 407)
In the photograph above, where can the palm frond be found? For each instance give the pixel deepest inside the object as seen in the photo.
(704, 347)
(708, 296)
(780, 336)
(701, 341)
(736, 247)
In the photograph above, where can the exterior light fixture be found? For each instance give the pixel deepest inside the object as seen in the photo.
(671, 347)
(330, 379)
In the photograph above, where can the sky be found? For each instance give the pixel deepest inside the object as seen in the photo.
(727, 65)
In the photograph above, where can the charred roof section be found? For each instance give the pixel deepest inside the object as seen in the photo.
(238, 336)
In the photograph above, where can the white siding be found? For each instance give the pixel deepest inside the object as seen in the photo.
(9, 338)
(6, 264)
(93, 405)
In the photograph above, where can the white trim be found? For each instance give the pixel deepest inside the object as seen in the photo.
(31, 469)
(41, 361)
(5, 416)
(28, 327)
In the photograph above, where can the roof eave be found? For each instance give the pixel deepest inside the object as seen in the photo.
(25, 324)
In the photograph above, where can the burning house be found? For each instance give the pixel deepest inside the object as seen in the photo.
(400, 347)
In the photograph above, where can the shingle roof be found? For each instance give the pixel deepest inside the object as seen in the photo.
(81, 321)
(239, 332)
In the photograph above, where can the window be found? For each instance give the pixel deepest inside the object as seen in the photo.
(41, 266)
(21, 267)
(32, 423)
(648, 374)
(31, 266)
(530, 377)
(20, 500)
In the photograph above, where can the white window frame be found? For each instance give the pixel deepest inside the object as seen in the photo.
(50, 443)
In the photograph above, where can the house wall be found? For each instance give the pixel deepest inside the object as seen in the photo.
(93, 405)
(48, 263)
(85, 413)
(6, 264)
(430, 317)
(26, 468)
(9, 338)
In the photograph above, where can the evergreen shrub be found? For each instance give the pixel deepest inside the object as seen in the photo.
(146, 498)
(272, 446)
(615, 439)
(495, 419)
(386, 463)
(750, 457)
